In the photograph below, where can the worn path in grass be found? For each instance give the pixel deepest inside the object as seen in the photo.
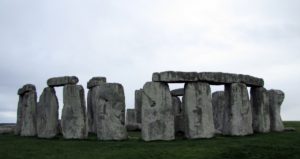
(271, 145)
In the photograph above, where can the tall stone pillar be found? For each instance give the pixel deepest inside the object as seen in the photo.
(138, 104)
(26, 114)
(73, 120)
(260, 110)
(179, 115)
(198, 110)
(276, 98)
(157, 112)
(109, 102)
(218, 104)
(47, 114)
(91, 108)
(238, 113)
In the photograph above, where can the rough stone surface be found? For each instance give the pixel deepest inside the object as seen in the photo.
(174, 77)
(276, 98)
(90, 111)
(73, 120)
(157, 112)
(131, 122)
(62, 81)
(26, 88)
(260, 110)
(110, 111)
(179, 115)
(214, 78)
(95, 81)
(138, 105)
(177, 92)
(47, 114)
(198, 111)
(218, 104)
(7, 128)
(26, 120)
(238, 113)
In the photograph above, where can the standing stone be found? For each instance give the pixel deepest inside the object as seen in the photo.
(238, 113)
(218, 104)
(73, 120)
(131, 123)
(276, 98)
(179, 117)
(138, 104)
(47, 114)
(260, 109)
(95, 81)
(26, 115)
(157, 112)
(110, 111)
(198, 110)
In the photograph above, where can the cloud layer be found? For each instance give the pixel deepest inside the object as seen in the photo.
(128, 40)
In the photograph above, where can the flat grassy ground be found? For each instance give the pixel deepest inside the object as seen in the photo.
(271, 145)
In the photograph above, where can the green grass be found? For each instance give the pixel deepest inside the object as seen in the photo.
(271, 145)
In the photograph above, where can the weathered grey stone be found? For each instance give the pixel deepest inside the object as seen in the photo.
(157, 112)
(174, 76)
(276, 98)
(138, 105)
(214, 78)
(90, 111)
(28, 122)
(7, 128)
(110, 111)
(238, 113)
(218, 104)
(198, 111)
(179, 115)
(20, 116)
(95, 81)
(47, 114)
(260, 109)
(73, 120)
(61, 81)
(177, 92)
(289, 129)
(131, 122)
(26, 88)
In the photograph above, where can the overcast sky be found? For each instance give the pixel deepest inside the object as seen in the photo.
(127, 40)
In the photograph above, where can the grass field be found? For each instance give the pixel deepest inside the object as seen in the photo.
(266, 146)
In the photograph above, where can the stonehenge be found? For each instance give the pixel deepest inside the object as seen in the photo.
(91, 105)
(159, 113)
(26, 112)
(198, 110)
(73, 119)
(47, 114)
(110, 112)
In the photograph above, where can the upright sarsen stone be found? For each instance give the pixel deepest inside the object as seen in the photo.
(218, 104)
(198, 111)
(131, 123)
(26, 117)
(73, 120)
(47, 114)
(260, 109)
(110, 111)
(91, 108)
(179, 115)
(138, 104)
(157, 112)
(276, 98)
(238, 113)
